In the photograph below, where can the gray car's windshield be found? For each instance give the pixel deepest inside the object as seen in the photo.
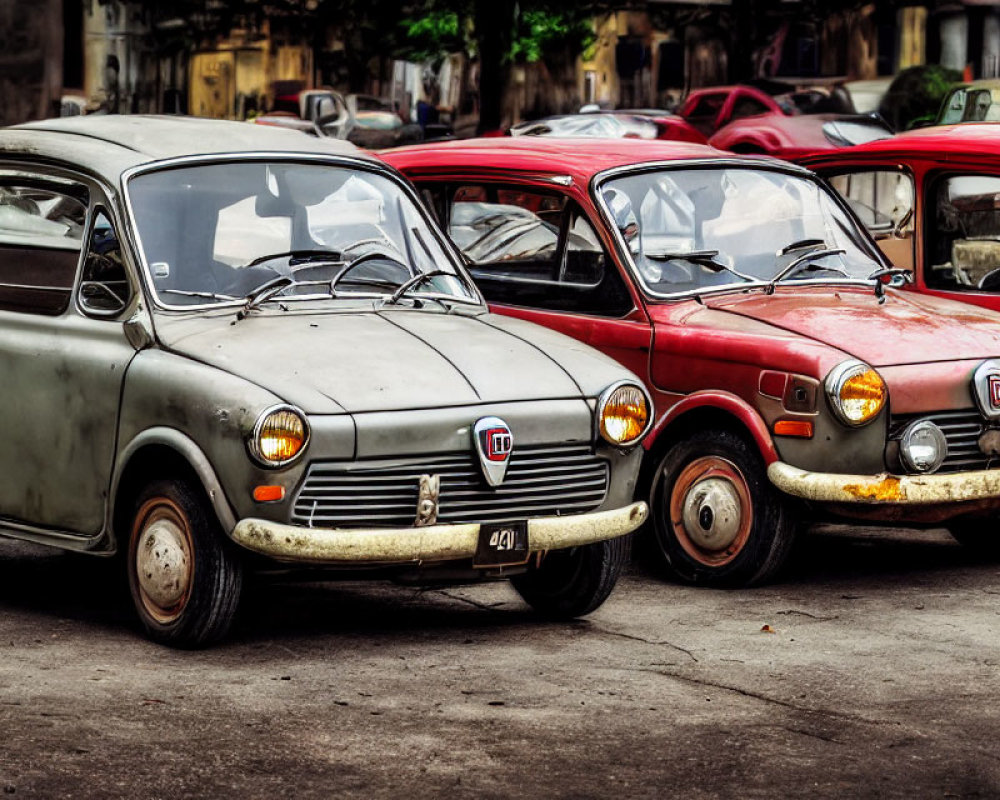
(218, 233)
(737, 225)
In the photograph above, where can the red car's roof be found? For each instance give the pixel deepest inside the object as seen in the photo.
(579, 158)
(970, 138)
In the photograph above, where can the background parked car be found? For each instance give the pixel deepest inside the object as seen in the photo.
(978, 101)
(930, 198)
(787, 380)
(610, 124)
(745, 119)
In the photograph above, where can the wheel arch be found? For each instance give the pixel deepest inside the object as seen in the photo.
(162, 453)
(709, 409)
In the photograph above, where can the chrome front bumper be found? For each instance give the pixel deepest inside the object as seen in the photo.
(825, 487)
(429, 543)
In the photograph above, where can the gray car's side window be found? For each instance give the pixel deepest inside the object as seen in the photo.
(104, 287)
(41, 226)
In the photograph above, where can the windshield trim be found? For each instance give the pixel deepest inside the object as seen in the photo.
(600, 179)
(331, 160)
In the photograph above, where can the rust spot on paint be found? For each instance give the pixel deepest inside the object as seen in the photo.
(887, 489)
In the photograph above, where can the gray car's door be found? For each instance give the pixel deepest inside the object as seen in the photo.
(63, 352)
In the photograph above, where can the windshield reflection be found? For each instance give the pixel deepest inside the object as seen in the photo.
(219, 233)
(692, 229)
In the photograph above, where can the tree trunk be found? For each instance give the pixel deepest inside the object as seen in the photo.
(494, 21)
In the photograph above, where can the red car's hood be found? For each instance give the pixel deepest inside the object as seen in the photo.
(906, 329)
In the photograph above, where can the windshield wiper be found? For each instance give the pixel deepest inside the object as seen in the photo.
(804, 261)
(413, 283)
(298, 257)
(263, 293)
(703, 258)
(209, 295)
(801, 244)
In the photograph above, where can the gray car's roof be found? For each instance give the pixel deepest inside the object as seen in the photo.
(110, 144)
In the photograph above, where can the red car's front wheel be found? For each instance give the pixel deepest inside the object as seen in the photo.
(716, 518)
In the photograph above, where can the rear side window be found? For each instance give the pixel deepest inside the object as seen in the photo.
(963, 233)
(748, 107)
(884, 202)
(531, 248)
(41, 230)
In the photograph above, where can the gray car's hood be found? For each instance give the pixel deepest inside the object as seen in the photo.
(393, 359)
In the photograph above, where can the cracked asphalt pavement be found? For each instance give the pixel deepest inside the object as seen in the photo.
(870, 669)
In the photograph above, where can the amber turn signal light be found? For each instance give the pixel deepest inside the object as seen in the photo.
(268, 494)
(802, 428)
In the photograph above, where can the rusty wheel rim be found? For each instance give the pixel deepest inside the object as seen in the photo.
(711, 513)
(162, 558)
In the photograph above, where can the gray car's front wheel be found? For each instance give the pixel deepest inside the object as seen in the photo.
(571, 583)
(184, 576)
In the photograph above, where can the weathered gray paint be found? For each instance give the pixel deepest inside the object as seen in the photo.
(64, 376)
(378, 361)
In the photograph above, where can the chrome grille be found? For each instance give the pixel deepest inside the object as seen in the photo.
(540, 481)
(961, 429)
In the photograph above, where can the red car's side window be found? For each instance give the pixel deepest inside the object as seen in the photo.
(531, 248)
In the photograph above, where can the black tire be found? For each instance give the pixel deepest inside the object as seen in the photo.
(573, 582)
(978, 536)
(174, 534)
(739, 529)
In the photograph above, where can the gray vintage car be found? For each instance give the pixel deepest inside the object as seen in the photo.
(226, 344)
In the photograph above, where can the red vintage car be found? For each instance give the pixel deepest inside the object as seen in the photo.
(789, 382)
(931, 199)
(744, 119)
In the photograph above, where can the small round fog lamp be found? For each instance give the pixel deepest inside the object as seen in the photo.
(922, 446)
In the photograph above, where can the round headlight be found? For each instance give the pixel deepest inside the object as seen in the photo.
(856, 392)
(922, 447)
(279, 435)
(623, 414)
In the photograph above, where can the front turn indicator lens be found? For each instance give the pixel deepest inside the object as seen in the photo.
(279, 436)
(623, 414)
(857, 392)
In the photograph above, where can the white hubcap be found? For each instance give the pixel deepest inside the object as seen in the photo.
(712, 513)
(163, 563)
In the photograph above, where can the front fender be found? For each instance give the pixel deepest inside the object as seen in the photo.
(722, 401)
(185, 447)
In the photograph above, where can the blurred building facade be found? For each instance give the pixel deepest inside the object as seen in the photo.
(125, 57)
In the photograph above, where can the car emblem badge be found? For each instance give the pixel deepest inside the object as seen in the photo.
(494, 443)
(986, 388)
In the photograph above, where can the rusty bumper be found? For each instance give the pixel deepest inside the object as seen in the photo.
(825, 487)
(429, 543)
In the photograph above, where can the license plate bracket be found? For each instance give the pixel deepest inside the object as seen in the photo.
(502, 544)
